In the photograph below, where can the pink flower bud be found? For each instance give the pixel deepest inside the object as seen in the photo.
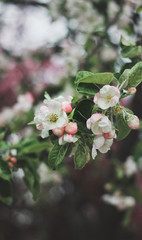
(13, 159)
(11, 164)
(132, 90)
(8, 157)
(66, 107)
(71, 128)
(133, 122)
(58, 131)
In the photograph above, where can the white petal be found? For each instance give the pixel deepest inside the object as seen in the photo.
(94, 152)
(88, 124)
(44, 133)
(98, 142)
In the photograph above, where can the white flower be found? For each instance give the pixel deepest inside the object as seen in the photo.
(121, 202)
(107, 97)
(99, 124)
(50, 117)
(101, 144)
(130, 167)
(67, 138)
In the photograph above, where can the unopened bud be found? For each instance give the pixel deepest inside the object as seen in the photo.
(13, 159)
(11, 164)
(132, 90)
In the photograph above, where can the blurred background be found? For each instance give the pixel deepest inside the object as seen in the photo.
(43, 44)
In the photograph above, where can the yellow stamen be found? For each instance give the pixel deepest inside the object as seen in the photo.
(109, 97)
(53, 117)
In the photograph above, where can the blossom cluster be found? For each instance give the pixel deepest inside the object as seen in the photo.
(54, 115)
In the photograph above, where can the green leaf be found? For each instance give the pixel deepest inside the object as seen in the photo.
(5, 172)
(123, 129)
(46, 95)
(82, 128)
(32, 181)
(139, 9)
(135, 75)
(82, 75)
(124, 76)
(125, 42)
(3, 146)
(57, 155)
(83, 110)
(131, 51)
(2, 133)
(31, 123)
(87, 89)
(34, 148)
(81, 153)
(5, 192)
(97, 78)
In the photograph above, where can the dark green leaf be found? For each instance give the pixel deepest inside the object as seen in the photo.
(57, 154)
(87, 89)
(123, 129)
(32, 181)
(5, 192)
(81, 153)
(83, 110)
(5, 172)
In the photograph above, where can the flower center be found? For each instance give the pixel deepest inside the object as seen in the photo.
(53, 117)
(109, 97)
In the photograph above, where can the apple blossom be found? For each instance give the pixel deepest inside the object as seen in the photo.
(71, 128)
(58, 131)
(133, 121)
(65, 103)
(101, 144)
(50, 117)
(67, 138)
(99, 124)
(107, 97)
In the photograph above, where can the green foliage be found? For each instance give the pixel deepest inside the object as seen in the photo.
(5, 171)
(139, 9)
(5, 192)
(57, 154)
(123, 129)
(80, 157)
(31, 179)
(95, 78)
(87, 89)
(130, 49)
(135, 75)
(82, 112)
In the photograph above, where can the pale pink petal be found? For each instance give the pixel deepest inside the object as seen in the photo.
(94, 152)
(98, 142)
